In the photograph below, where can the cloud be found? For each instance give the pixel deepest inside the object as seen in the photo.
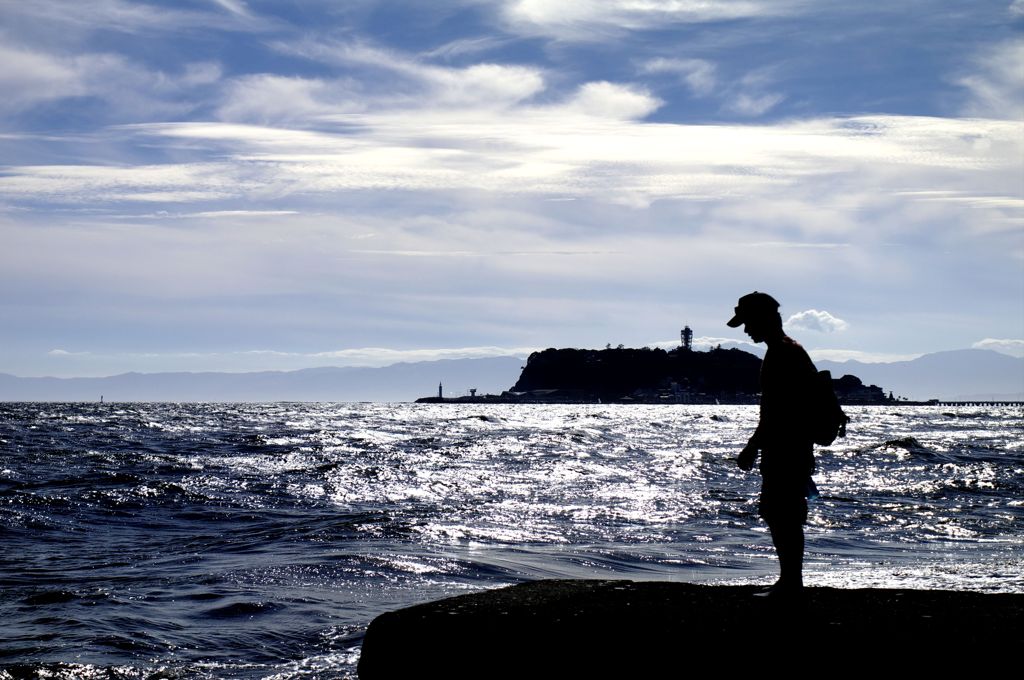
(815, 320)
(464, 46)
(92, 183)
(418, 84)
(537, 190)
(201, 73)
(1013, 347)
(379, 356)
(130, 91)
(253, 137)
(795, 244)
(751, 96)
(593, 20)
(482, 84)
(590, 145)
(709, 341)
(1016, 8)
(266, 359)
(611, 100)
(260, 359)
(65, 353)
(234, 6)
(697, 74)
(860, 355)
(996, 85)
(70, 18)
(753, 105)
(270, 99)
(217, 214)
(29, 78)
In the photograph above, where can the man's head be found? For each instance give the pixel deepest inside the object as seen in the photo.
(758, 313)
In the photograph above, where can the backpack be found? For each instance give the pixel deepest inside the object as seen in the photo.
(827, 420)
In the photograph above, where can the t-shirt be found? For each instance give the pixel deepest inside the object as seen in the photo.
(787, 386)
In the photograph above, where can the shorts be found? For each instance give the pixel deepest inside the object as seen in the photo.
(784, 503)
(785, 482)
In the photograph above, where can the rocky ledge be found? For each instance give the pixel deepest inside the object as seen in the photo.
(598, 629)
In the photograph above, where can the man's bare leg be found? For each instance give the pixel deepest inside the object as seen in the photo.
(789, 546)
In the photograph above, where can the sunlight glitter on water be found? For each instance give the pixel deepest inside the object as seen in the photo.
(312, 518)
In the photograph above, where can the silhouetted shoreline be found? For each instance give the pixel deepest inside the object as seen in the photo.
(598, 628)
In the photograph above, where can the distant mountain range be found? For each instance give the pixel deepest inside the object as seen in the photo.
(398, 382)
(955, 375)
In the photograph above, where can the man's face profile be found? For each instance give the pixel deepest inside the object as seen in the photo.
(755, 327)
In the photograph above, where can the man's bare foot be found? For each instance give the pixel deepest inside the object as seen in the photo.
(782, 589)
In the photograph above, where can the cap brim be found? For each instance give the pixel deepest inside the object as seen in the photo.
(735, 322)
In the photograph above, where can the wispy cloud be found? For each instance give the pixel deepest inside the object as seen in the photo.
(221, 214)
(753, 95)
(234, 6)
(153, 183)
(70, 17)
(465, 46)
(565, 149)
(379, 356)
(697, 74)
(267, 99)
(129, 91)
(1013, 347)
(30, 78)
(753, 105)
(485, 85)
(591, 20)
(794, 244)
(66, 353)
(264, 359)
(996, 83)
(860, 355)
(710, 341)
(268, 359)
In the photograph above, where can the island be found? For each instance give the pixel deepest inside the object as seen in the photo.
(648, 376)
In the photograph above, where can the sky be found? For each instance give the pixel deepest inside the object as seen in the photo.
(252, 184)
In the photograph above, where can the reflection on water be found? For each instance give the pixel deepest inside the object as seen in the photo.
(249, 540)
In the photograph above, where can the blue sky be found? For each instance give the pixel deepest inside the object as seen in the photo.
(247, 184)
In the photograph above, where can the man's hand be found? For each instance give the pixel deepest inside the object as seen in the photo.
(747, 457)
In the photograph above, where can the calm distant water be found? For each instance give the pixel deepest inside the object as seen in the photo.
(258, 540)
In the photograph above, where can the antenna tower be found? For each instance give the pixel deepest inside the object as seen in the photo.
(686, 338)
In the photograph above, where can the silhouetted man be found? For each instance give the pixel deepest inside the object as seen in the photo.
(782, 436)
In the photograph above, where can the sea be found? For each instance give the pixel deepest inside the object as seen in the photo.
(146, 540)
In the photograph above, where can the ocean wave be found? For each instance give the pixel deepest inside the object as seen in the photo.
(174, 540)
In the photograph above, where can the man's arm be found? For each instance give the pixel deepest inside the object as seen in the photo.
(748, 455)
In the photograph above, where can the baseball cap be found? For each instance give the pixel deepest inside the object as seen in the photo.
(753, 305)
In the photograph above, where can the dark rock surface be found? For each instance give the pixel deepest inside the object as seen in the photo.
(627, 629)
